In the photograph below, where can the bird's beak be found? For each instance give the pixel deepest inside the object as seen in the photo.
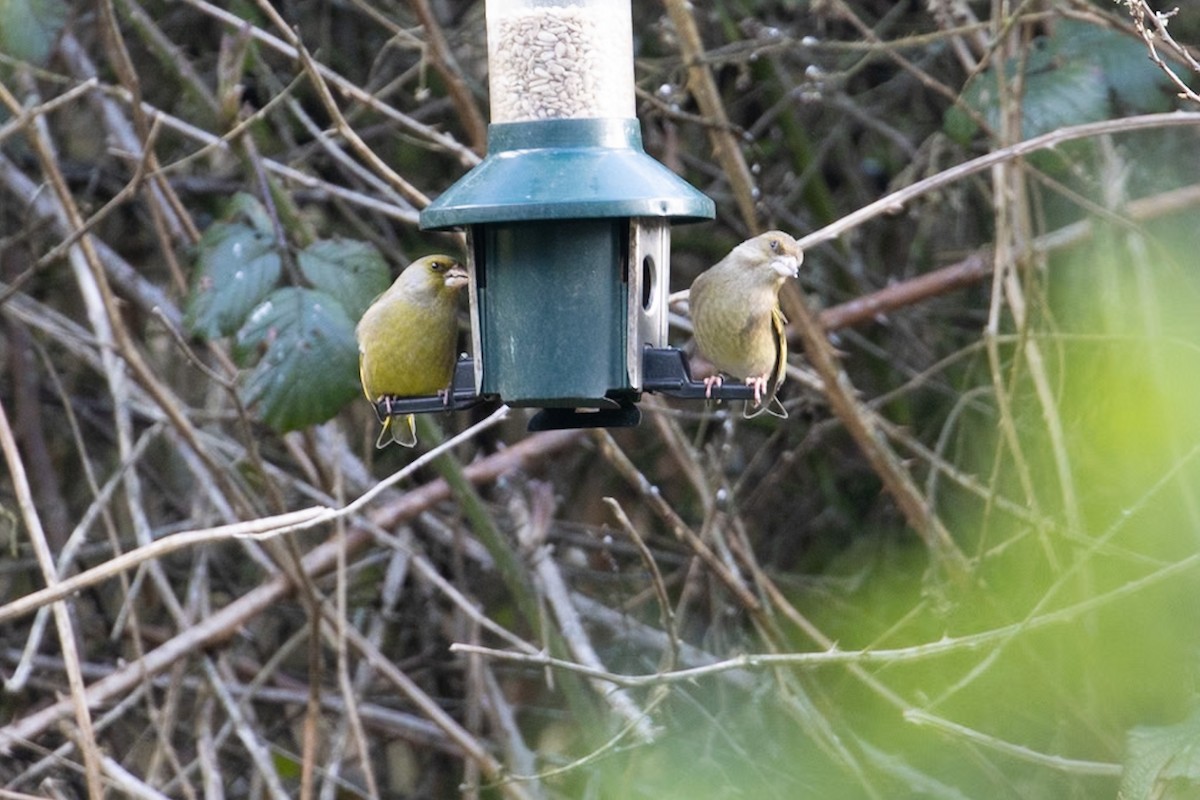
(787, 266)
(456, 276)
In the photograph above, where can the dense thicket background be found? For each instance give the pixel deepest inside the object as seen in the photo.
(971, 550)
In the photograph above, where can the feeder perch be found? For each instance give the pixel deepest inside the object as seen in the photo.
(568, 226)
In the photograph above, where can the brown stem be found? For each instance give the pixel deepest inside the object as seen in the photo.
(859, 423)
(978, 265)
(704, 88)
(442, 60)
(971, 269)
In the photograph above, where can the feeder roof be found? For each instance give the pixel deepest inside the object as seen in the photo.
(566, 169)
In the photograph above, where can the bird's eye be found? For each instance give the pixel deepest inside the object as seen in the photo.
(438, 266)
(775, 245)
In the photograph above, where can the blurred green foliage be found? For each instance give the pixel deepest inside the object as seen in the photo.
(1077, 72)
(28, 28)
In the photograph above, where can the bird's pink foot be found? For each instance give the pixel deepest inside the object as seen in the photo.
(710, 382)
(759, 385)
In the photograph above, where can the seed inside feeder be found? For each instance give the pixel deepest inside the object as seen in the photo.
(571, 60)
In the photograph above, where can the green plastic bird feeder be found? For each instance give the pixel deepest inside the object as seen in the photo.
(568, 219)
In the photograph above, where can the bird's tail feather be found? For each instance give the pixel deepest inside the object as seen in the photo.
(401, 430)
(774, 407)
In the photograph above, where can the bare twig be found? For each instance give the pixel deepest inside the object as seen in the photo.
(836, 656)
(861, 426)
(260, 753)
(894, 202)
(1140, 11)
(316, 76)
(443, 61)
(447, 143)
(704, 88)
(665, 612)
(492, 769)
(870, 307)
(77, 702)
(225, 622)
(979, 265)
(1076, 766)
(261, 529)
(554, 590)
(627, 470)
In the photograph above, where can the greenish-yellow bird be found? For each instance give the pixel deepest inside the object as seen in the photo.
(407, 339)
(736, 318)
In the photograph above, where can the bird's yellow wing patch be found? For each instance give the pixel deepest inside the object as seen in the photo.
(772, 405)
(779, 334)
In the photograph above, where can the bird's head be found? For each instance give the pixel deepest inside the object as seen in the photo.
(778, 252)
(432, 275)
(768, 259)
(445, 270)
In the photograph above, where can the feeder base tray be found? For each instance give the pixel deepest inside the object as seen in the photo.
(664, 371)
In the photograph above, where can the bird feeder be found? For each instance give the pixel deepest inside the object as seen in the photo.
(568, 222)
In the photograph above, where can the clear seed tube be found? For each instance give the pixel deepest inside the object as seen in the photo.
(560, 59)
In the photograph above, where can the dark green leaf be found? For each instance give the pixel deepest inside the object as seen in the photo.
(28, 28)
(957, 124)
(246, 208)
(1136, 82)
(1163, 762)
(354, 272)
(1057, 96)
(237, 265)
(307, 365)
(1081, 73)
(1070, 94)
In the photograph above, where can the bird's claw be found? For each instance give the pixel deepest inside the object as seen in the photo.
(759, 385)
(710, 382)
(383, 406)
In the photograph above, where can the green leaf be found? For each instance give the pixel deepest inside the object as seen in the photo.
(29, 28)
(1162, 762)
(354, 272)
(1133, 80)
(308, 358)
(246, 208)
(1070, 94)
(1056, 96)
(237, 265)
(1080, 73)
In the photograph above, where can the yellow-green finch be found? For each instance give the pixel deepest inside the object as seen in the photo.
(736, 318)
(407, 339)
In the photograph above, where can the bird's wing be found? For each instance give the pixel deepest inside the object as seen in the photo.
(362, 374)
(773, 406)
(779, 334)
